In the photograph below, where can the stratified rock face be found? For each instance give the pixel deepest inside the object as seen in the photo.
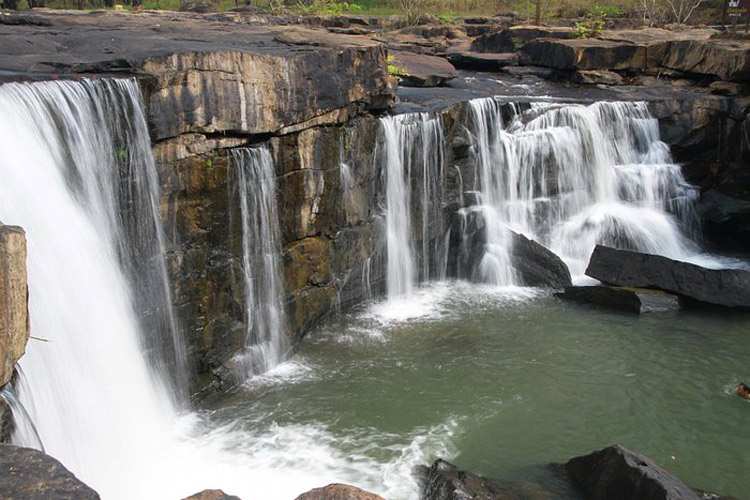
(445, 481)
(585, 54)
(339, 492)
(637, 300)
(616, 473)
(212, 495)
(14, 314)
(726, 59)
(725, 287)
(27, 473)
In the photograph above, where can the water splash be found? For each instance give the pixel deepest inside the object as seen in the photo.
(266, 343)
(24, 430)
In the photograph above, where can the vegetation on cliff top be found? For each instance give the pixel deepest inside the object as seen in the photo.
(651, 12)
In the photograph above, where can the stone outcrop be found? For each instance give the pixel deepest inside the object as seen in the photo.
(27, 473)
(338, 492)
(444, 481)
(514, 38)
(211, 495)
(637, 300)
(616, 473)
(534, 264)
(726, 59)
(725, 287)
(14, 315)
(423, 70)
(584, 54)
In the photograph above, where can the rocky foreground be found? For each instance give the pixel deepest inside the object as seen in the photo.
(613, 473)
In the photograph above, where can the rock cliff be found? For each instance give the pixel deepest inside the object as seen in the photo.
(14, 315)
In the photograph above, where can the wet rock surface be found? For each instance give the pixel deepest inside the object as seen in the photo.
(725, 287)
(27, 473)
(444, 481)
(338, 492)
(616, 473)
(14, 314)
(637, 300)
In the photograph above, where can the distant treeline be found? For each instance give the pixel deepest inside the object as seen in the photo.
(650, 12)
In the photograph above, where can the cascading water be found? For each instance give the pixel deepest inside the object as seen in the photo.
(266, 343)
(572, 176)
(98, 406)
(411, 146)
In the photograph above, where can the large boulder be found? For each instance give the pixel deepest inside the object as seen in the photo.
(423, 70)
(14, 314)
(537, 265)
(27, 473)
(725, 59)
(534, 263)
(724, 287)
(584, 54)
(616, 473)
(638, 300)
(513, 38)
(339, 492)
(445, 481)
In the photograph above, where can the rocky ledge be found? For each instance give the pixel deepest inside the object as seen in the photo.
(14, 320)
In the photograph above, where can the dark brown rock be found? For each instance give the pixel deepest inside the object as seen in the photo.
(725, 287)
(616, 473)
(585, 54)
(423, 70)
(725, 59)
(481, 62)
(14, 316)
(339, 492)
(637, 300)
(597, 77)
(445, 481)
(211, 495)
(27, 473)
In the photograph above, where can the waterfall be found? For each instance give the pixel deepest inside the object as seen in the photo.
(411, 150)
(76, 171)
(571, 176)
(24, 430)
(266, 343)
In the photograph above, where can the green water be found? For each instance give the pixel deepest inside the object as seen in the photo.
(501, 383)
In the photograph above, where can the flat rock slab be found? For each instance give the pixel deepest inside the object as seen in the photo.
(637, 300)
(476, 61)
(584, 54)
(208, 74)
(726, 59)
(27, 473)
(724, 287)
(423, 70)
(616, 473)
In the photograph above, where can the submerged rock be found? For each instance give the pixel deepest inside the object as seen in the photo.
(445, 481)
(616, 473)
(638, 300)
(6, 421)
(338, 492)
(27, 473)
(724, 287)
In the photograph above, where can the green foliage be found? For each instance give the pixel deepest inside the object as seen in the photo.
(596, 20)
(209, 163)
(395, 70)
(446, 18)
(326, 7)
